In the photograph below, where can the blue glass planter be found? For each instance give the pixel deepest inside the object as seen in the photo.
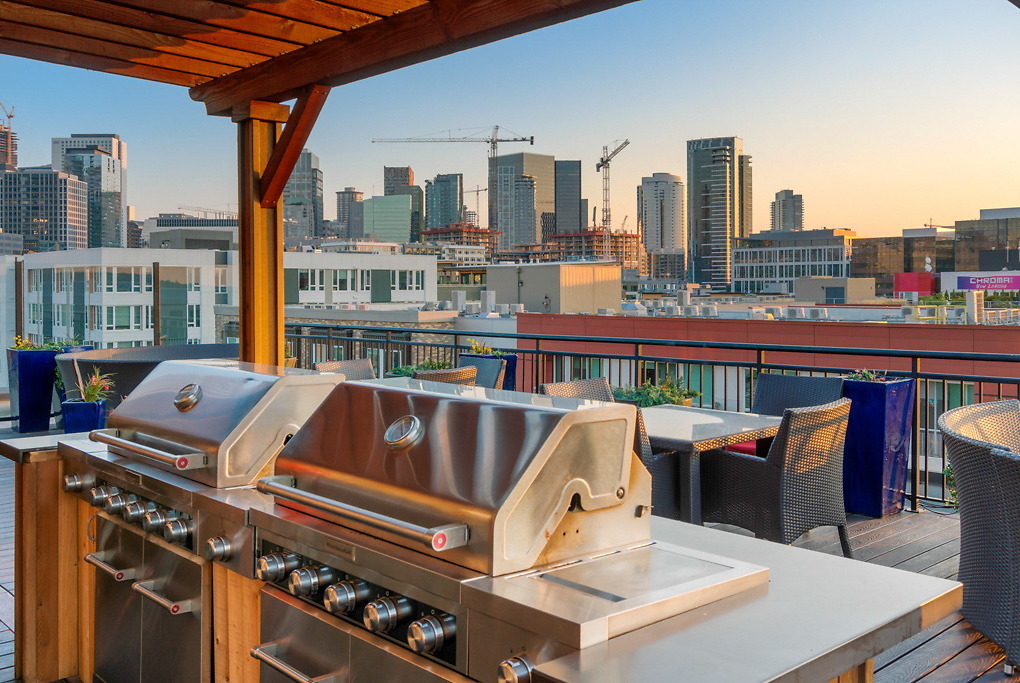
(877, 447)
(82, 416)
(30, 377)
(510, 376)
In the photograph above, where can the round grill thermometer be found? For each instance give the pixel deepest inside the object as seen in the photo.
(404, 432)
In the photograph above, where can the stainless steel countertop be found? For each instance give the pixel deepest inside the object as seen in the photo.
(819, 616)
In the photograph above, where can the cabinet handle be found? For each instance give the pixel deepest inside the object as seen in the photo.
(268, 654)
(181, 607)
(117, 574)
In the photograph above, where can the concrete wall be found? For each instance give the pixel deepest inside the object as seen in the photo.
(557, 287)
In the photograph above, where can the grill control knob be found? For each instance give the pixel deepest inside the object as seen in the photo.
(134, 512)
(427, 635)
(275, 566)
(155, 520)
(76, 483)
(310, 580)
(515, 670)
(343, 597)
(178, 531)
(98, 494)
(218, 548)
(383, 614)
(116, 504)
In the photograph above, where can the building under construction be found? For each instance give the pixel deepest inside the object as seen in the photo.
(591, 244)
(464, 233)
(8, 143)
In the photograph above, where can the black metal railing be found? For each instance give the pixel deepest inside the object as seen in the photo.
(724, 372)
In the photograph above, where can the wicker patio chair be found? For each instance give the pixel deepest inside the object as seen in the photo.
(353, 369)
(774, 393)
(490, 370)
(797, 487)
(982, 442)
(464, 375)
(663, 466)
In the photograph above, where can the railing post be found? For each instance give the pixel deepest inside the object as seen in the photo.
(536, 362)
(636, 371)
(915, 449)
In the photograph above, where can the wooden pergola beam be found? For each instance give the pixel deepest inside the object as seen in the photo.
(292, 141)
(432, 30)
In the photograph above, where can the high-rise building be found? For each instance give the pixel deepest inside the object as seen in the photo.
(662, 220)
(106, 179)
(395, 177)
(399, 180)
(344, 201)
(518, 177)
(48, 208)
(719, 205)
(388, 218)
(444, 200)
(788, 211)
(569, 216)
(103, 175)
(302, 198)
(8, 147)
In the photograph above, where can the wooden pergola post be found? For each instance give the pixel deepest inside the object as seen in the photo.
(259, 235)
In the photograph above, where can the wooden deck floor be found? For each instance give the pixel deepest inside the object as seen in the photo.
(928, 543)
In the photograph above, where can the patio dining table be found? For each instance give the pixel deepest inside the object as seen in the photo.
(690, 432)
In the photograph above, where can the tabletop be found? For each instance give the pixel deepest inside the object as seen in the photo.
(681, 428)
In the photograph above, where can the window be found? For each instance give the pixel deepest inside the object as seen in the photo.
(310, 280)
(194, 279)
(194, 315)
(366, 280)
(343, 280)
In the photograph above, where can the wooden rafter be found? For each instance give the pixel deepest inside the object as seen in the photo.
(438, 28)
(292, 140)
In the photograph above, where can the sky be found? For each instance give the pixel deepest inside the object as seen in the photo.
(883, 114)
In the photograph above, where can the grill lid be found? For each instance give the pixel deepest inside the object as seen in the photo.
(487, 478)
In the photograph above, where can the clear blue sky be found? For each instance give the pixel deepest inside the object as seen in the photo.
(882, 113)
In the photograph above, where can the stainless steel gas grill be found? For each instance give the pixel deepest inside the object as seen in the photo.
(185, 431)
(450, 532)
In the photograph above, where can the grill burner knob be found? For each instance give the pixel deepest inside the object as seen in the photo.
(309, 580)
(218, 548)
(275, 566)
(343, 597)
(98, 495)
(115, 504)
(134, 512)
(383, 614)
(178, 531)
(515, 670)
(154, 521)
(427, 635)
(76, 483)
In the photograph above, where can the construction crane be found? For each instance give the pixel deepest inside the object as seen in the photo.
(477, 192)
(603, 167)
(7, 147)
(492, 139)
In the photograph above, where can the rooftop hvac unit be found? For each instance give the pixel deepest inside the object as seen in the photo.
(444, 305)
(818, 314)
(472, 308)
(363, 307)
(691, 311)
(710, 311)
(672, 310)
(927, 311)
(906, 311)
(503, 309)
(774, 311)
(516, 308)
(795, 313)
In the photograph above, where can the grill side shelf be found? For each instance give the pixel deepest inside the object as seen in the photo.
(439, 538)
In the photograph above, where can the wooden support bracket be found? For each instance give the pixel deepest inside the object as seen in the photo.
(292, 141)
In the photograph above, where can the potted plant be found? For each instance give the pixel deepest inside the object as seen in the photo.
(427, 364)
(30, 373)
(289, 359)
(485, 351)
(668, 391)
(88, 412)
(878, 438)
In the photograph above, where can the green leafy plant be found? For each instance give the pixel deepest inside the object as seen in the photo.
(96, 387)
(668, 391)
(427, 364)
(951, 486)
(865, 376)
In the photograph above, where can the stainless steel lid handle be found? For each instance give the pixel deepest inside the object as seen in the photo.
(439, 538)
(171, 606)
(117, 574)
(268, 654)
(184, 461)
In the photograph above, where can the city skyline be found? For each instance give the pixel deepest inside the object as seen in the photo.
(883, 133)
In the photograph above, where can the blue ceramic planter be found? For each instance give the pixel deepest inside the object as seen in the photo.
(82, 416)
(510, 376)
(30, 378)
(877, 447)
